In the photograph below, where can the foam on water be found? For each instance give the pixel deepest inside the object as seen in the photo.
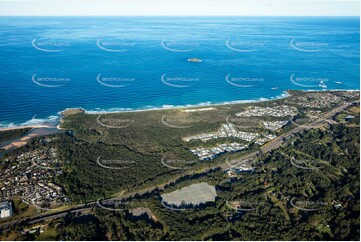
(81, 62)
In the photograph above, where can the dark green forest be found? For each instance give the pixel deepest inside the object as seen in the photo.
(308, 189)
(332, 188)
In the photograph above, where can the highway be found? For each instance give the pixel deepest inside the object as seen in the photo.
(279, 141)
(275, 143)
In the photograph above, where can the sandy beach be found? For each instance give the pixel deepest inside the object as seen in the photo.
(36, 131)
(27, 127)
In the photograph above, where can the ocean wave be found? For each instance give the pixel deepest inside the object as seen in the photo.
(169, 106)
(54, 120)
(333, 90)
(59, 113)
(51, 120)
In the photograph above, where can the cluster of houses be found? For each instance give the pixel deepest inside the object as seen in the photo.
(226, 130)
(277, 111)
(31, 177)
(317, 100)
(211, 153)
(274, 125)
(349, 94)
(265, 139)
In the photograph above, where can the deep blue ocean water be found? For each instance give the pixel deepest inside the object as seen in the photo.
(48, 64)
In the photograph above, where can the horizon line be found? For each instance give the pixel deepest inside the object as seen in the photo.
(306, 16)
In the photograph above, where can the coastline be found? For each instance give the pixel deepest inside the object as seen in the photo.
(285, 94)
(27, 127)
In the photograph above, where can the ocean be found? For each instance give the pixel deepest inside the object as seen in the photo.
(106, 64)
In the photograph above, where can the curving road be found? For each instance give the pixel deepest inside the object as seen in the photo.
(275, 143)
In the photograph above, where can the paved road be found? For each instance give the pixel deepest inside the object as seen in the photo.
(277, 142)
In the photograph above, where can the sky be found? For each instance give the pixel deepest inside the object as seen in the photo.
(179, 8)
